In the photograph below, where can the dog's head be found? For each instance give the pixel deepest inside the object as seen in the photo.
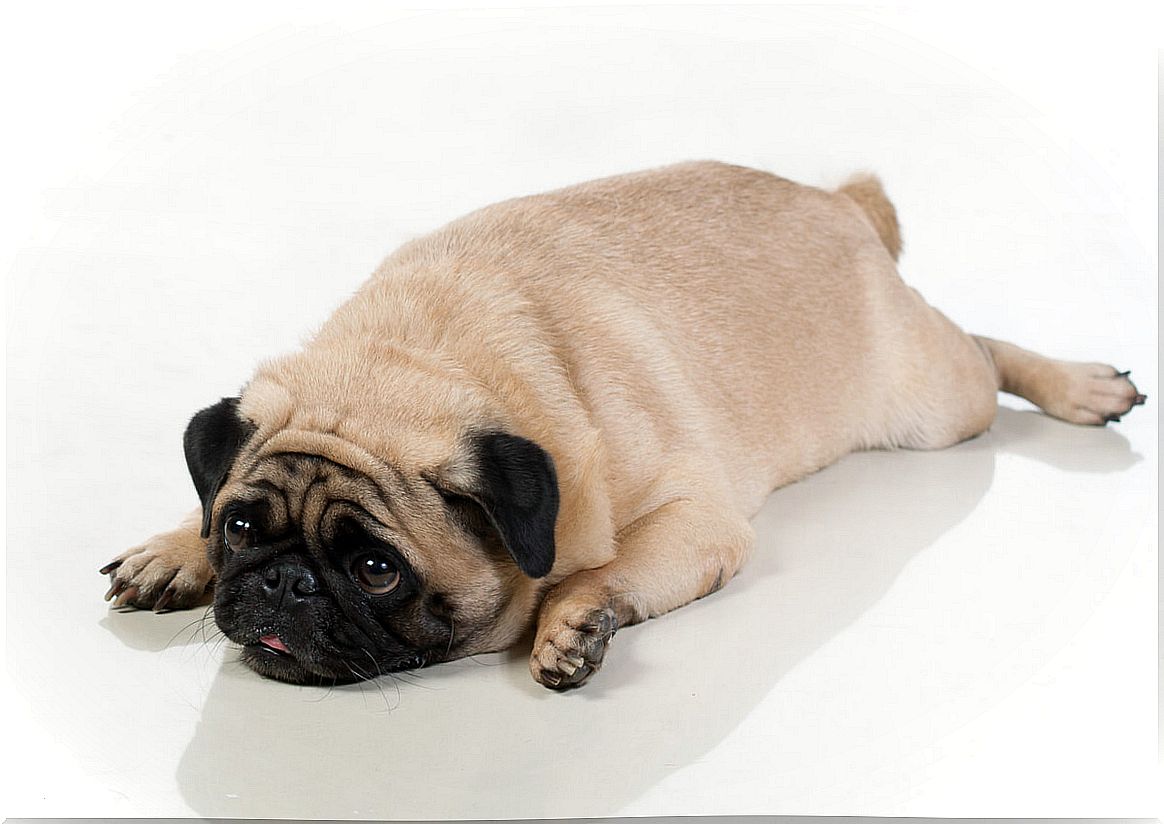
(339, 557)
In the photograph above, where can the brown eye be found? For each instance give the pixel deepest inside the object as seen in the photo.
(375, 575)
(238, 532)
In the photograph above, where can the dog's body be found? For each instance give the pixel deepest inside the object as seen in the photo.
(567, 407)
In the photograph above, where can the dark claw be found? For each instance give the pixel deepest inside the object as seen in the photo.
(1139, 401)
(109, 567)
(594, 649)
(601, 622)
(124, 598)
(1112, 419)
(581, 674)
(561, 682)
(1123, 374)
(116, 588)
(164, 601)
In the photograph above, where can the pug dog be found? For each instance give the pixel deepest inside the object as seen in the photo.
(561, 411)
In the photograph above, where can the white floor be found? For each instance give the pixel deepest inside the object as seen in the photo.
(963, 633)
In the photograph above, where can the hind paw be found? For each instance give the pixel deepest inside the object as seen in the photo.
(1097, 394)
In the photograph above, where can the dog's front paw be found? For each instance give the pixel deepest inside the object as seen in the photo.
(570, 650)
(169, 571)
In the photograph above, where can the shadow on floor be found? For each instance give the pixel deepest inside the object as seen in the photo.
(480, 739)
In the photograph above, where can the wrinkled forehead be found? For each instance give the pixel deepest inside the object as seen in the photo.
(404, 418)
(311, 492)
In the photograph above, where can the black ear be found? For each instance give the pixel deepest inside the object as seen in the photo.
(212, 442)
(517, 487)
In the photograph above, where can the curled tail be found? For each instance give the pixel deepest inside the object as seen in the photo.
(865, 190)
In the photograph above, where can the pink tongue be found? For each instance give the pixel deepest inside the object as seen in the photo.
(273, 642)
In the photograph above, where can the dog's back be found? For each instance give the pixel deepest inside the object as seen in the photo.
(699, 309)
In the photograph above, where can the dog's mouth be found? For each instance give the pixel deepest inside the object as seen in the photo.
(270, 648)
(275, 644)
(270, 656)
(283, 649)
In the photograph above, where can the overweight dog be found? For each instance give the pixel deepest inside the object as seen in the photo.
(562, 410)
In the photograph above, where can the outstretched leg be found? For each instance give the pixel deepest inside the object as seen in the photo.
(945, 382)
(168, 571)
(681, 551)
(1084, 393)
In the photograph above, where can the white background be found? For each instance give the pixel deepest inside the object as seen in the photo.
(966, 633)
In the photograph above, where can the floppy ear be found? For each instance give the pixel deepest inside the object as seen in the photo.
(212, 442)
(514, 482)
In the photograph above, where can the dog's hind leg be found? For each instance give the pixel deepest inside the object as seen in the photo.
(944, 383)
(939, 385)
(1083, 393)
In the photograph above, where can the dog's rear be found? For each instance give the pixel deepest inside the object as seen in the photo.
(1084, 393)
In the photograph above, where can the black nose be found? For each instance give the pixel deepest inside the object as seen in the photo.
(287, 579)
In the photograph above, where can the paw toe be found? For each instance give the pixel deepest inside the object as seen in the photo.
(1100, 397)
(148, 581)
(570, 656)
